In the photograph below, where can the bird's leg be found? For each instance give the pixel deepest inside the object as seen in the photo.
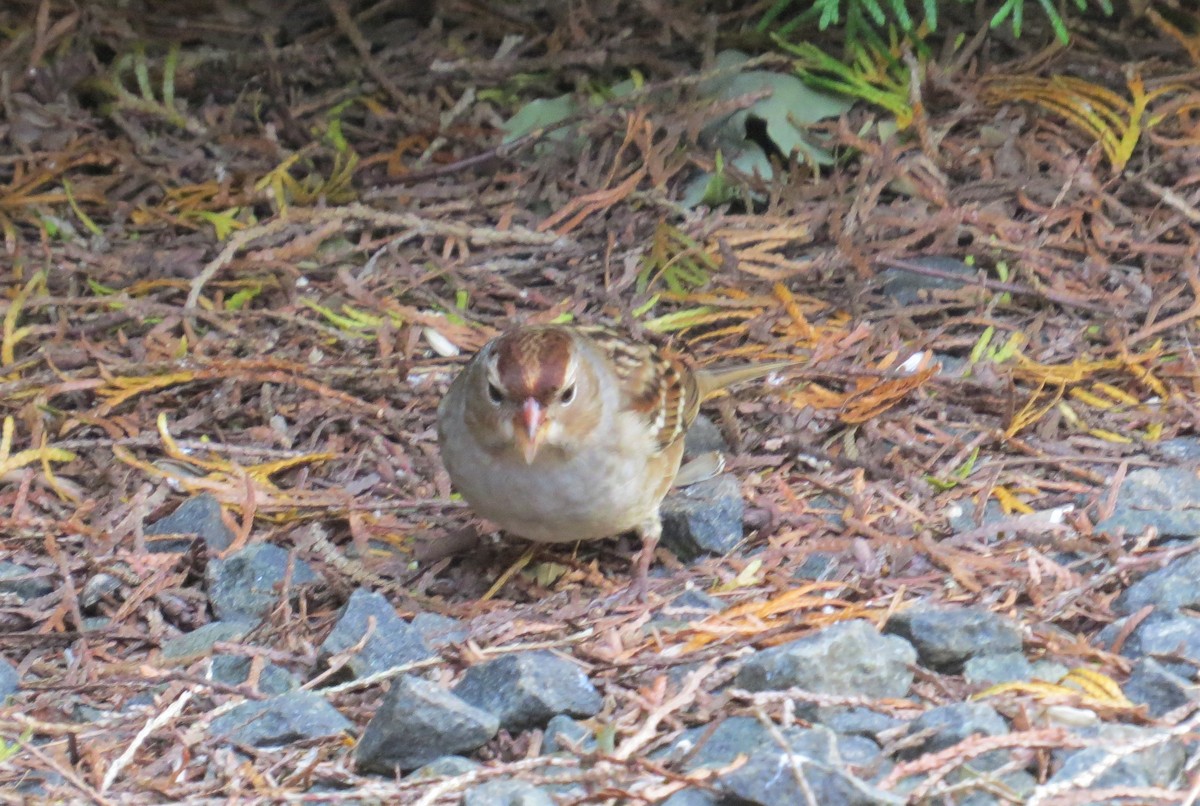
(649, 531)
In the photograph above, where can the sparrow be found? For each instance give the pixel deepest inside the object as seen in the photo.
(561, 433)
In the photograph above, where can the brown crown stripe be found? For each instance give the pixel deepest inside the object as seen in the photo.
(533, 362)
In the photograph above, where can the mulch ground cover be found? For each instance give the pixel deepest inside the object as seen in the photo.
(247, 246)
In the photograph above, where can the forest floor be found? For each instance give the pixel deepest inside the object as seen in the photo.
(247, 246)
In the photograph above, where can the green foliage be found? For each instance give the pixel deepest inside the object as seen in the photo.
(870, 72)
(864, 17)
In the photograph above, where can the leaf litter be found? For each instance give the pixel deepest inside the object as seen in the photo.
(251, 271)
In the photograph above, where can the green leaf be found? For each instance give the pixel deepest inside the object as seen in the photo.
(241, 298)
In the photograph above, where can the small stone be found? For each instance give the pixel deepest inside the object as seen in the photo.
(1178, 451)
(506, 792)
(1169, 635)
(857, 721)
(684, 611)
(1169, 588)
(817, 757)
(198, 643)
(247, 584)
(703, 436)
(1158, 688)
(98, 588)
(23, 582)
(418, 722)
(945, 637)
(849, 658)
(828, 508)
(950, 724)
(525, 689)
(963, 515)
(200, 515)
(10, 680)
(439, 631)
(234, 670)
(910, 288)
(290, 717)
(988, 670)
(564, 734)
(392, 642)
(1159, 765)
(445, 767)
(1051, 671)
(1167, 499)
(694, 601)
(705, 517)
(692, 797)
(704, 746)
(819, 566)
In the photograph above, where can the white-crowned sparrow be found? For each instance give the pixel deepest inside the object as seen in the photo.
(558, 433)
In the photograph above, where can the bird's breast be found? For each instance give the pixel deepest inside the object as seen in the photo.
(595, 491)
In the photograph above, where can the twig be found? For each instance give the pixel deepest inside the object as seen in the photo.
(160, 719)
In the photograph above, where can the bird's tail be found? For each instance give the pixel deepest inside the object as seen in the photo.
(711, 381)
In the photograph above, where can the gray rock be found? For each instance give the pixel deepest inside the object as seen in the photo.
(525, 689)
(1166, 636)
(392, 642)
(506, 792)
(850, 659)
(945, 637)
(1049, 670)
(234, 670)
(963, 515)
(439, 631)
(564, 734)
(706, 746)
(1160, 765)
(695, 601)
(684, 610)
(705, 517)
(23, 582)
(98, 588)
(988, 670)
(200, 515)
(819, 758)
(1167, 499)
(445, 767)
(418, 722)
(692, 797)
(1158, 688)
(1180, 450)
(819, 566)
(247, 584)
(1169, 588)
(281, 720)
(857, 721)
(826, 507)
(1016, 787)
(198, 643)
(909, 288)
(703, 436)
(975, 786)
(10, 680)
(948, 725)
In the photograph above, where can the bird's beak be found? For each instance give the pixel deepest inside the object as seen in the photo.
(532, 420)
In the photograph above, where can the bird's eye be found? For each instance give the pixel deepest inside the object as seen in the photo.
(495, 394)
(567, 395)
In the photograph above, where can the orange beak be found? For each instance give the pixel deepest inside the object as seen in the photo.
(532, 420)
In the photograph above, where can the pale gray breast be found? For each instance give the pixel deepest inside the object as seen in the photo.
(598, 490)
